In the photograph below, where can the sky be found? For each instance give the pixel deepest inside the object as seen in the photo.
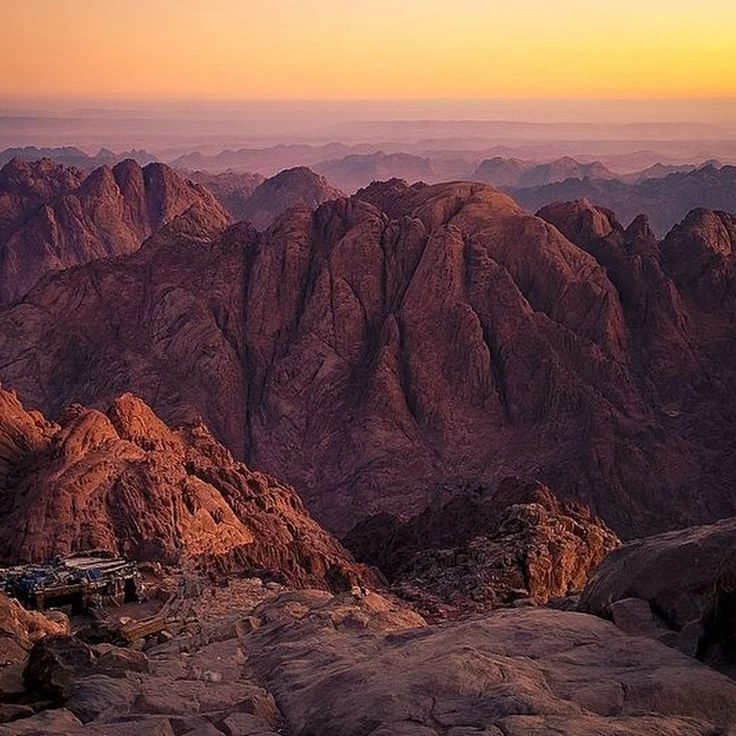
(367, 49)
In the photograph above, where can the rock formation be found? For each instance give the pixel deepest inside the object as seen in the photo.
(485, 549)
(124, 482)
(267, 661)
(384, 346)
(21, 629)
(52, 218)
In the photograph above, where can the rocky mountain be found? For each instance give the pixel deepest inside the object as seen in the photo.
(122, 481)
(260, 201)
(666, 201)
(25, 187)
(484, 549)
(232, 190)
(70, 156)
(52, 217)
(414, 337)
(299, 187)
(516, 173)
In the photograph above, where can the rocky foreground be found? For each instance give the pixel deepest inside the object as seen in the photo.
(236, 639)
(256, 660)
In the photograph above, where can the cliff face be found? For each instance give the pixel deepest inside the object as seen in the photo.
(52, 217)
(411, 339)
(122, 481)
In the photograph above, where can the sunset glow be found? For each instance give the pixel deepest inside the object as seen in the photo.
(333, 49)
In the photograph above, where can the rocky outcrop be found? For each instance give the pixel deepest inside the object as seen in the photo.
(486, 549)
(680, 587)
(410, 337)
(267, 660)
(676, 572)
(26, 186)
(68, 219)
(515, 672)
(124, 482)
(701, 255)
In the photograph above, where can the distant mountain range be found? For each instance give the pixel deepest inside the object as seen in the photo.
(665, 200)
(71, 156)
(513, 172)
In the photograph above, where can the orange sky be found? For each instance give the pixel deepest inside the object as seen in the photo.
(338, 49)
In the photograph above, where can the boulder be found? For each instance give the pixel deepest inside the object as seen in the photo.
(634, 616)
(47, 723)
(55, 664)
(676, 573)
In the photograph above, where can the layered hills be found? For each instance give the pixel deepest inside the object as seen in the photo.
(666, 199)
(517, 173)
(389, 348)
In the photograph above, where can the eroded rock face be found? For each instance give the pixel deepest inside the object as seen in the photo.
(121, 480)
(53, 217)
(486, 549)
(404, 339)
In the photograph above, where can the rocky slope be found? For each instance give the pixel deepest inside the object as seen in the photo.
(384, 346)
(52, 218)
(486, 548)
(514, 673)
(122, 481)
